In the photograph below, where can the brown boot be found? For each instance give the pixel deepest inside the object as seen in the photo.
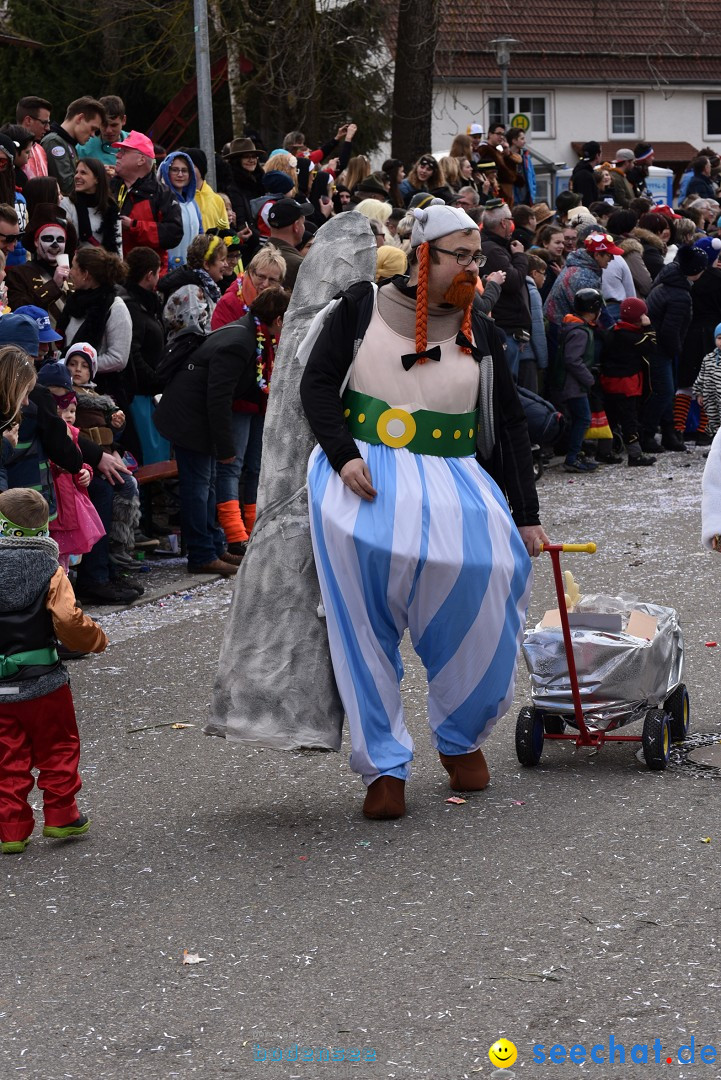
(217, 566)
(468, 772)
(385, 798)
(234, 560)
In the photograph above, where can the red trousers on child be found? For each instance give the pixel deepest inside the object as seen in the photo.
(39, 734)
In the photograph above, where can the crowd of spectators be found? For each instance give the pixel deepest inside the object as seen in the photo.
(151, 306)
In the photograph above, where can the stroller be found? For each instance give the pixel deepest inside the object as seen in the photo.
(545, 424)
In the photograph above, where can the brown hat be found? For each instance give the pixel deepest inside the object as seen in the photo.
(242, 147)
(372, 185)
(542, 212)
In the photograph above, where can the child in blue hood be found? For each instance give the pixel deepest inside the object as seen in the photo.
(178, 174)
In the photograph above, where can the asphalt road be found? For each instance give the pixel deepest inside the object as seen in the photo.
(566, 905)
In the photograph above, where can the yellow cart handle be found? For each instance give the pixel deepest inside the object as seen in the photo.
(588, 548)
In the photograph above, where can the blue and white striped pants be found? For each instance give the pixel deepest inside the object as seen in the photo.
(435, 552)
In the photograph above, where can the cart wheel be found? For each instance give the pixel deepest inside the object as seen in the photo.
(678, 708)
(529, 736)
(554, 725)
(656, 739)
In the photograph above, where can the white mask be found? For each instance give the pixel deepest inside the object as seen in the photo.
(49, 243)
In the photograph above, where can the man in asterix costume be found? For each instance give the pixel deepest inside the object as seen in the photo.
(406, 390)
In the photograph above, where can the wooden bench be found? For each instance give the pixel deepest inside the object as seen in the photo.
(148, 474)
(159, 470)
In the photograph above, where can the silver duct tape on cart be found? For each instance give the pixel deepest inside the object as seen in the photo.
(620, 675)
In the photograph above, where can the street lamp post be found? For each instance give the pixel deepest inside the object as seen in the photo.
(204, 88)
(503, 46)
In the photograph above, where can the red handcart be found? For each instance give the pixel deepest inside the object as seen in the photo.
(664, 710)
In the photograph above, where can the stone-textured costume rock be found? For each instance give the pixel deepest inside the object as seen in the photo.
(275, 684)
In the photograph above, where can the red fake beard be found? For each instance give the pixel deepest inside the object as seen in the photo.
(461, 290)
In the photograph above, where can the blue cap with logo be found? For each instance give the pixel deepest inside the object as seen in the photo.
(42, 319)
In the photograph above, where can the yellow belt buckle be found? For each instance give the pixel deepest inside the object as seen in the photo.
(396, 427)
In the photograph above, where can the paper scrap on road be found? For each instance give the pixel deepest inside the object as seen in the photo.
(193, 958)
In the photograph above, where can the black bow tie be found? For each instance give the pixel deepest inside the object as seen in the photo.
(430, 354)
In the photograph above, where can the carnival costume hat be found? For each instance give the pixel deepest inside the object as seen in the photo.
(433, 222)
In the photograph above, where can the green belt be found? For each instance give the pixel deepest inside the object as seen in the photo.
(421, 432)
(10, 665)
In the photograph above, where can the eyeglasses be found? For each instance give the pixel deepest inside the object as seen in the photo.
(45, 123)
(264, 277)
(463, 258)
(180, 171)
(10, 237)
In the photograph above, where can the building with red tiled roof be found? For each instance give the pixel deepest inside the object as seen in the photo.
(617, 71)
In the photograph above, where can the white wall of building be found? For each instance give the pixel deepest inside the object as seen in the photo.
(576, 114)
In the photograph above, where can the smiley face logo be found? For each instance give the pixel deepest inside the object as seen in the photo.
(502, 1054)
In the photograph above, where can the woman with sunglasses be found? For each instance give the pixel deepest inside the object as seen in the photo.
(425, 175)
(178, 174)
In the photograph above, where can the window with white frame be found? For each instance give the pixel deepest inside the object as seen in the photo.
(624, 115)
(712, 109)
(537, 107)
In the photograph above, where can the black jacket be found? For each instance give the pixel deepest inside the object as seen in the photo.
(43, 437)
(583, 182)
(195, 409)
(626, 352)
(510, 463)
(670, 309)
(145, 309)
(512, 311)
(700, 339)
(702, 187)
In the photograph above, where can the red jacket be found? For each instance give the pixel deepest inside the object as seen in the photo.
(155, 218)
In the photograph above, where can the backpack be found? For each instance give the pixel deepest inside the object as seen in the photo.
(545, 422)
(176, 354)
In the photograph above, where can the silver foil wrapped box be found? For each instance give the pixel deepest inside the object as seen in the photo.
(619, 675)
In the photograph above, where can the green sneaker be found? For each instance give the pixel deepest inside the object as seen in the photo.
(65, 832)
(14, 847)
